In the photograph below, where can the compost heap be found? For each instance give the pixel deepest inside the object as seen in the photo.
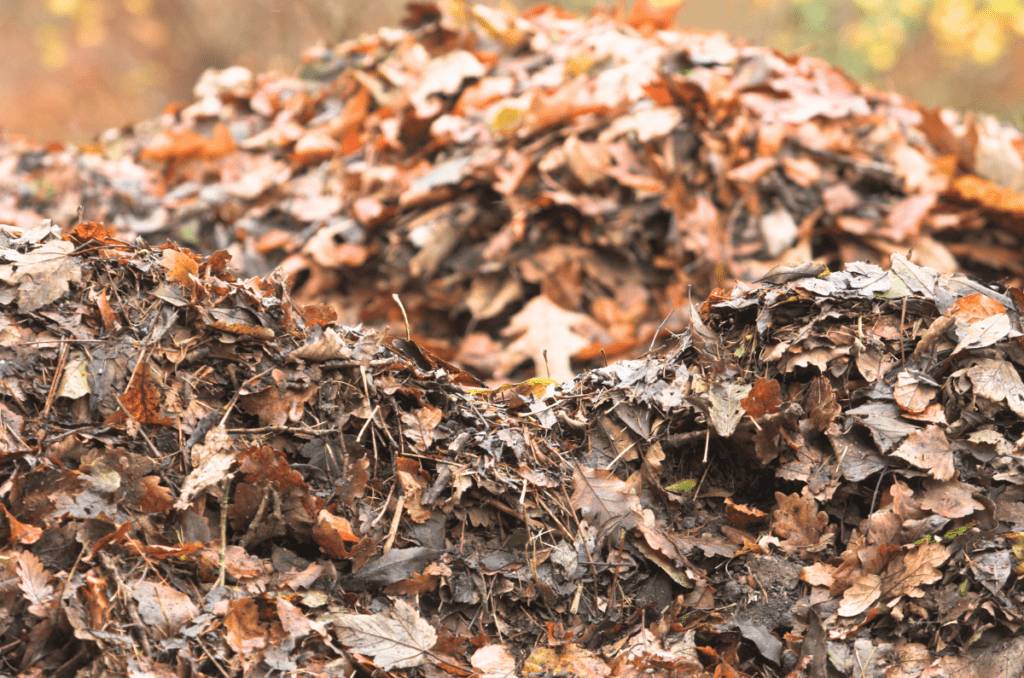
(204, 477)
(540, 181)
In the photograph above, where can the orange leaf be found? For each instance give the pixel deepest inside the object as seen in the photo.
(653, 14)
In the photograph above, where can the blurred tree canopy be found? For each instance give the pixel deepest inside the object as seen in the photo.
(74, 67)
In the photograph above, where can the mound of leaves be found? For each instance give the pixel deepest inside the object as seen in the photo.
(533, 180)
(202, 476)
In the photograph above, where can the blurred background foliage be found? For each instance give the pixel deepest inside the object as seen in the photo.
(71, 68)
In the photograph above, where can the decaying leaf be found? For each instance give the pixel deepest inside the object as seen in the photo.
(866, 590)
(397, 639)
(41, 276)
(211, 461)
(544, 327)
(798, 521)
(928, 449)
(605, 500)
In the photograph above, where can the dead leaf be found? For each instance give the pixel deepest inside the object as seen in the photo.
(35, 584)
(397, 639)
(914, 569)
(798, 521)
(950, 498)
(211, 461)
(912, 394)
(163, 607)
(42, 275)
(997, 380)
(494, 661)
(928, 449)
(571, 659)
(603, 499)
(866, 590)
(543, 326)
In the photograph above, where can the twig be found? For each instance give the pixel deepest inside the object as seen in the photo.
(696, 491)
(395, 520)
(615, 574)
(408, 332)
(56, 380)
(874, 498)
(283, 429)
(223, 533)
(145, 436)
(903, 318)
(657, 333)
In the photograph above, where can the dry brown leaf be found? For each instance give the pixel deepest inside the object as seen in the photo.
(912, 394)
(211, 460)
(928, 449)
(998, 380)
(162, 607)
(985, 332)
(329, 346)
(34, 583)
(331, 532)
(950, 498)
(914, 569)
(604, 499)
(818, 574)
(569, 660)
(41, 276)
(143, 399)
(975, 307)
(543, 326)
(798, 521)
(865, 591)
(820, 404)
(494, 661)
(764, 398)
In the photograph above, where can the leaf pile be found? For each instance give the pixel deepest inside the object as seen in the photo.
(539, 180)
(204, 477)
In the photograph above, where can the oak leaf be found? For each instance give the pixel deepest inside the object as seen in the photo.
(542, 326)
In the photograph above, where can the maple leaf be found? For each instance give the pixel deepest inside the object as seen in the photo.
(397, 639)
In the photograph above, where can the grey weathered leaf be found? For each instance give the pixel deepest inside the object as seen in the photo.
(397, 639)
(997, 380)
(726, 406)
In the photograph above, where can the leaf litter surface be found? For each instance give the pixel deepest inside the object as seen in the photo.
(476, 160)
(208, 473)
(203, 476)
